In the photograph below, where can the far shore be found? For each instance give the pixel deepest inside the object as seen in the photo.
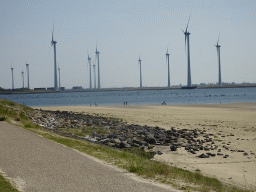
(236, 118)
(26, 91)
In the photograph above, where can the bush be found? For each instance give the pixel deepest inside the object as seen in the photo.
(23, 116)
(2, 118)
(28, 125)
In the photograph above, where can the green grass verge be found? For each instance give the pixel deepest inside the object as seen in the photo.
(14, 111)
(5, 185)
(83, 131)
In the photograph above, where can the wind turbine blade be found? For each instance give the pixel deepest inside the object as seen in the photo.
(188, 22)
(218, 39)
(52, 30)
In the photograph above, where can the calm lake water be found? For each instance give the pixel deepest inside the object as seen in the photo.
(171, 97)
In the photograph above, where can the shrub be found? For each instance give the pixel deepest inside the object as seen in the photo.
(28, 125)
(2, 118)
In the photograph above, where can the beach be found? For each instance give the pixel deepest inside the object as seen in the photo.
(236, 123)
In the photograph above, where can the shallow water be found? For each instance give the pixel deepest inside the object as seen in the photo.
(171, 97)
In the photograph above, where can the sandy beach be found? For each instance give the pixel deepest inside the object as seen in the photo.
(238, 119)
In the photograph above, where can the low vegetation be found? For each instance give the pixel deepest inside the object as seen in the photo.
(5, 185)
(134, 159)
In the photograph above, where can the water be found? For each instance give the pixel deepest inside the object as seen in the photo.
(171, 97)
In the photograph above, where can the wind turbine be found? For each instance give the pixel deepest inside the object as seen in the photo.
(186, 33)
(98, 59)
(12, 78)
(22, 74)
(167, 59)
(94, 75)
(140, 73)
(55, 64)
(89, 63)
(59, 77)
(27, 66)
(218, 56)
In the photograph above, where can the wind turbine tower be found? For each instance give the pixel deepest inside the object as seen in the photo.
(89, 63)
(12, 78)
(218, 56)
(22, 74)
(140, 73)
(27, 66)
(167, 58)
(94, 75)
(98, 59)
(55, 64)
(186, 33)
(59, 77)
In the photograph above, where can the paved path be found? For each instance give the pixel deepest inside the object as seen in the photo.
(37, 164)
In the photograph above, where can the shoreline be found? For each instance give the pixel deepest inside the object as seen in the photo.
(11, 92)
(236, 118)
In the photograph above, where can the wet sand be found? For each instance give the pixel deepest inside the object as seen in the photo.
(238, 119)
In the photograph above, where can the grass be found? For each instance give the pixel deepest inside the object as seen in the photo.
(134, 159)
(5, 185)
(83, 131)
(13, 110)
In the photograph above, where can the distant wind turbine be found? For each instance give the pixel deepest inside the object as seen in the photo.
(12, 78)
(218, 55)
(89, 63)
(94, 75)
(167, 59)
(55, 64)
(186, 33)
(27, 66)
(98, 59)
(140, 73)
(22, 74)
(59, 77)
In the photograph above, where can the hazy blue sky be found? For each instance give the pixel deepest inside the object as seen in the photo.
(124, 30)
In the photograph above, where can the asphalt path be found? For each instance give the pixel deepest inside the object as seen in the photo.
(34, 163)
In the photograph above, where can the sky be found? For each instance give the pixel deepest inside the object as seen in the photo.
(123, 31)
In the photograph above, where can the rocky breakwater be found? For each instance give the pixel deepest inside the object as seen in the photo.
(118, 134)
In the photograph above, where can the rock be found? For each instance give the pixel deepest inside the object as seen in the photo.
(245, 154)
(151, 140)
(203, 156)
(124, 145)
(104, 141)
(117, 141)
(159, 153)
(173, 148)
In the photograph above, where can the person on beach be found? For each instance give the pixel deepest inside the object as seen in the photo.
(126, 102)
